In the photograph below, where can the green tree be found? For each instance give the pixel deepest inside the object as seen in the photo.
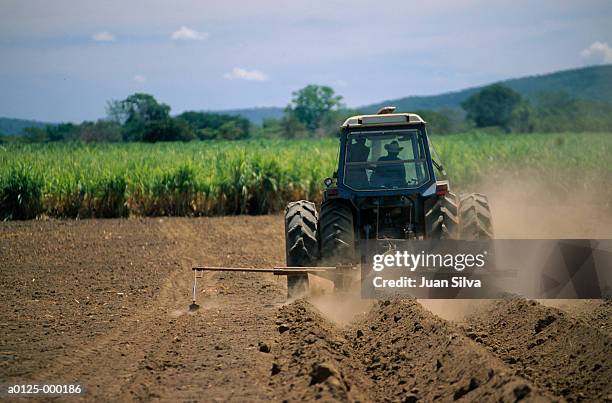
(291, 127)
(556, 111)
(137, 113)
(492, 106)
(312, 104)
(215, 125)
(437, 122)
(100, 131)
(522, 119)
(137, 107)
(36, 134)
(59, 132)
(169, 129)
(556, 104)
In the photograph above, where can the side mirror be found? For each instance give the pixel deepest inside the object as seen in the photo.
(328, 182)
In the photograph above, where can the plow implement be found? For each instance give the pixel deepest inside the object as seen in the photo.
(340, 275)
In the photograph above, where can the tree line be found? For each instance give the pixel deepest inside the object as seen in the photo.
(140, 117)
(316, 111)
(500, 107)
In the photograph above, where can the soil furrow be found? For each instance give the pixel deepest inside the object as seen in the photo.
(566, 355)
(414, 355)
(313, 360)
(397, 352)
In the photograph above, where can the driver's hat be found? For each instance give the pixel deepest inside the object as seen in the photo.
(393, 147)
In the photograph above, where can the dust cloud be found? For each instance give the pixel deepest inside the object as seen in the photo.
(339, 307)
(526, 206)
(529, 208)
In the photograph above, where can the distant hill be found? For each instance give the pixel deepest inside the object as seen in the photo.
(256, 115)
(10, 126)
(592, 83)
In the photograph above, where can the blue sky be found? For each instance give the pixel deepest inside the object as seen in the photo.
(62, 60)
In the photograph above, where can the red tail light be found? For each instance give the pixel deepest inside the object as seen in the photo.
(441, 189)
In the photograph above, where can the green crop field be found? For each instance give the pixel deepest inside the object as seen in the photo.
(252, 177)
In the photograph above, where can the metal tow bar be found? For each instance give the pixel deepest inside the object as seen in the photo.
(338, 274)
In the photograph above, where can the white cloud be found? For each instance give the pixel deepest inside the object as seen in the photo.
(103, 36)
(340, 83)
(238, 73)
(188, 34)
(139, 78)
(597, 53)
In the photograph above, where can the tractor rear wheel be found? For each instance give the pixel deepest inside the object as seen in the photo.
(301, 242)
(475, 217)
(337, 233)
(442, 217)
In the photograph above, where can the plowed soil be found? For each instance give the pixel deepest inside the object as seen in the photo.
(103, 304)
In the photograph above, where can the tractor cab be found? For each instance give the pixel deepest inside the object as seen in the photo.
(384, 155)
(387, 175)
(384, 160)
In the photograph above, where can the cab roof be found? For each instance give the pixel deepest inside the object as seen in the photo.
(386, 119)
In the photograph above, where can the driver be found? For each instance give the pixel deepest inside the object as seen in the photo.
(358, 152)
(390, 174)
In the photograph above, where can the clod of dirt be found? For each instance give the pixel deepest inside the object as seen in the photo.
(410, 398)
(464, 390)
(544, 322)
(320, 372)
(282, 328)
(275, 369)
(521, 391)
(264, 347)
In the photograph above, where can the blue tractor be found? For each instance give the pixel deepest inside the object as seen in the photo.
(390, 184)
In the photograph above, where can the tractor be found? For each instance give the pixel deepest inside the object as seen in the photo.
(390, 184)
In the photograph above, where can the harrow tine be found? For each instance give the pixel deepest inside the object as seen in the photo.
(194, 307)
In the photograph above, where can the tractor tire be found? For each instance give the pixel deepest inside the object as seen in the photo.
(301, 243)
(442, 217)
(337, 233)
(475, 218)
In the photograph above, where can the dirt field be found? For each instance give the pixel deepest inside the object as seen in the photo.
(103, 304)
